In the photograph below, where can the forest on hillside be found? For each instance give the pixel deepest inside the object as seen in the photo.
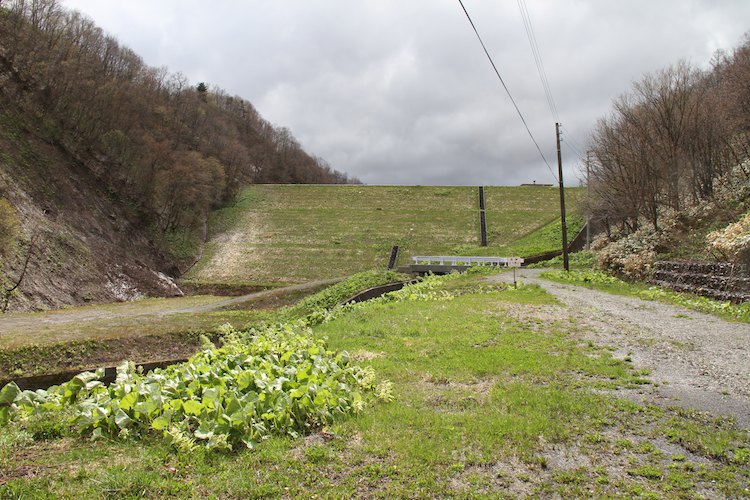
(172, 149)
(669, 167)
(668, 141)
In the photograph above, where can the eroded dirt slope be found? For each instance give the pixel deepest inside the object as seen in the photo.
(89, 246)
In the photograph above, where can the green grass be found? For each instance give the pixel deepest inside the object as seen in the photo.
(495, 395)
(292, 234)
(544, 239)
(601, 281)
(583, 260)
(344, 290)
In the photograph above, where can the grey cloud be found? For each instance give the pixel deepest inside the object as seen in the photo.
(400, 92)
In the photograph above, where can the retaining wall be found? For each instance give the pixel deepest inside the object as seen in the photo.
(717, 280)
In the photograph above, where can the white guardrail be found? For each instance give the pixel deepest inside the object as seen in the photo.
(459, 260)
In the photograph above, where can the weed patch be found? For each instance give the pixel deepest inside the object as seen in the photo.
(482, 403)
(606, 283)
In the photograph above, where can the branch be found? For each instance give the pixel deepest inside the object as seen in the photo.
(8, 291)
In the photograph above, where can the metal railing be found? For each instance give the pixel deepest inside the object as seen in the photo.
(460, 260)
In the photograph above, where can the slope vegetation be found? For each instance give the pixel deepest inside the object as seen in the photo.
(109, 167)
(278, 234)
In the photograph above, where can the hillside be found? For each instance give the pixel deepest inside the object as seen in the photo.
(278, 234)
(109, 168)
(86, 246)
(670, 167)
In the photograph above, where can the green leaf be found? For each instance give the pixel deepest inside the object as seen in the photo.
(122, 420)
(205, 431)
(211, 397)
(160, 423)
(192, 407)
(154, 389)
(245, 379)
(97, 434)
(303, 375)
(232, 405)
(148, 407)
(219, 442)
(93, 384)
(73, 387)
(128, 401)
(9, 393)
(83, 421)
(98, 413)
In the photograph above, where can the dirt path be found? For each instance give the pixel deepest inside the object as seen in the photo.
(259, 295)
(696, 361)
(18, 321)
(233, 251)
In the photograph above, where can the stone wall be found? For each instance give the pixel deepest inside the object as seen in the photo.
(717, 280)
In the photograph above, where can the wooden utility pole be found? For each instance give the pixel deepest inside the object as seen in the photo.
(588, 200)
(566, 265)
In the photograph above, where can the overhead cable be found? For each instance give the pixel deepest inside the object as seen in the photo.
(538, 58)
(572, 142)
(507, 91)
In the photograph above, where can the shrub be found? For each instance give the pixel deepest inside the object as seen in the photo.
(732, 242)
(632, 256)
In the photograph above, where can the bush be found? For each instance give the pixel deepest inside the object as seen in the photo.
(632, 256)
(339, 292)
(276, 380)
(732, 242)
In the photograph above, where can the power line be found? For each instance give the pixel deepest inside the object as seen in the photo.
(573, 148)
(538, 58)
(573, 144)
(572, 139)
(506, 89)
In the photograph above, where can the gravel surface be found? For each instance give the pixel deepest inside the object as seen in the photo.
(696, 360)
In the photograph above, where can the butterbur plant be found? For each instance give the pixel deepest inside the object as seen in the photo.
(275, 379)
(278, 380)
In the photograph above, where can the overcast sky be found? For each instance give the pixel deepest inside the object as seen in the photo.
(400, 92)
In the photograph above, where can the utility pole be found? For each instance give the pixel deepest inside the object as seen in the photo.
(588, 200)
(566, 265)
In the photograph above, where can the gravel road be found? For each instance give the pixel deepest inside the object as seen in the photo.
(696, 360)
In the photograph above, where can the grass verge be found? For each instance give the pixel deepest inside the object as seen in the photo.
(494, 395)
(601, 281)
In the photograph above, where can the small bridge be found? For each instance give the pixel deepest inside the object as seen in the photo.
(443, 264)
